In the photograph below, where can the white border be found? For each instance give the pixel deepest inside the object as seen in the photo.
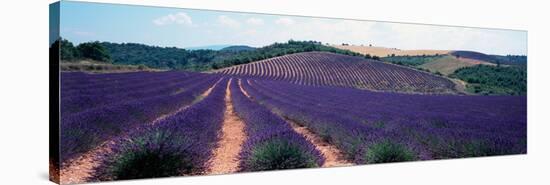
(24, 98)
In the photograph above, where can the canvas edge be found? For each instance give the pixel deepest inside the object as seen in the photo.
(54, 35)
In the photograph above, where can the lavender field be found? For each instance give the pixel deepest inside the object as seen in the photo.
(154, 91)
(296, 111)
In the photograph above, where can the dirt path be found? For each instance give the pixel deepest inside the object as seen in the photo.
(78, 170)
(333, 156)
(226, 155)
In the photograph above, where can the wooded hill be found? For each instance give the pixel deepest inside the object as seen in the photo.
(182, 59)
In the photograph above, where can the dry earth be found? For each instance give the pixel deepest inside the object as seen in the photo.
(226, 155)
(383, 52)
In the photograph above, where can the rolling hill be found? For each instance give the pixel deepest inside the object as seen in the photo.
(444, 65)
(237, 48)
(447, 64)
(473, 55)
(329, 69)
(209, 47)
(172, 58)
(383, 51)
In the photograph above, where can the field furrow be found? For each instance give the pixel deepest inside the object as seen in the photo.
(329, 69)
(81, 169)
(225, 157)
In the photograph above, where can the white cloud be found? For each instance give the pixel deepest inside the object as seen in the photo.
(229, 22)
(285, 21)
(250, 32)
(325, 30)
(177, 18)
(255, 21)
(402, 36)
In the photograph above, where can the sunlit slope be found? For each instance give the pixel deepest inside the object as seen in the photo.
(383, 52)
(445, 65)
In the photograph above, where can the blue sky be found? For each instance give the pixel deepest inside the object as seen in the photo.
(83, 22)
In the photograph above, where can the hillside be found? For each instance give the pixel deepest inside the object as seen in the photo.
(447, 65)
(439, 64)
(329, 69)
(511, 59)
(238, 48)
(494, 80)
(209, 47)
(183, 59)
(473, 55)
(383, 52)
(495, 59)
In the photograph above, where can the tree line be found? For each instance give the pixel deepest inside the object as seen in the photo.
(89, 50)
(182, 59)
(491, 80)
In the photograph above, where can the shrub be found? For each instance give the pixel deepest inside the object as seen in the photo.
(279, 154)
(158, 153)
(387, 151)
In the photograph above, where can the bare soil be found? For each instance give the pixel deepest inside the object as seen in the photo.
(53, 171)
(226, 155)
(383, 52)
(333, 156)
(80, 169)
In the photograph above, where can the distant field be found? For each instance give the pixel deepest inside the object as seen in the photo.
(441, 64)
(329, 69)
(100, 67)
(383, 52)
(447, 65)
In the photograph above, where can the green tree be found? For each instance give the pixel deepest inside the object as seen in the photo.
(94, 51)
(67, 51)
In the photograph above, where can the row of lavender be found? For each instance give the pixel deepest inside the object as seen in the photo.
(77, 98)
(271, 142)
(123, 109)
(329, 69)
(368, 127)
(178, 145)
(183, 143)
(79, 81)
(365, 125)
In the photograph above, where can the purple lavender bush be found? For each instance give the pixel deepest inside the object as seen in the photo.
(271, 143)
(178, 145)
(433, 126)
(330, 69)
(71, 104)
(85, 130)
